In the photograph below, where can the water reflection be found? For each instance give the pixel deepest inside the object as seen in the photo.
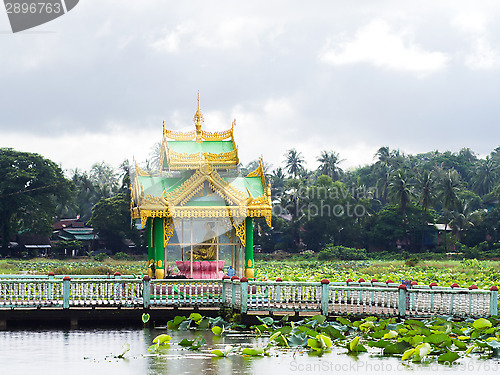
(93, 352)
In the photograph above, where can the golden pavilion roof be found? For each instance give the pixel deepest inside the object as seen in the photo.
(199, 177)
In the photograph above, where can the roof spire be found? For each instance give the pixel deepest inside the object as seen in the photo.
(198, 119)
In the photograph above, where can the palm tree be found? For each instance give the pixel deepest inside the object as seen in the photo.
(400, 190)
(448, 188)
(155, 156)
(401, 193)
(427, 196)
(383, 154)
(462, 218)
(277, 182)
(449, 185)
(329, 164)
(104, 179)
(485, 177)
(294, 162)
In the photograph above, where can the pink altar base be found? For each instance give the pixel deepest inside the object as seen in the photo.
(204, 269)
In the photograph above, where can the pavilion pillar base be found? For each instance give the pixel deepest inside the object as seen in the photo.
(160, 274)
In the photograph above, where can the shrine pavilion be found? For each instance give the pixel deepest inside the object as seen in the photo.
(198, 208)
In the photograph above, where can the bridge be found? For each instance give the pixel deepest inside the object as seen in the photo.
(71, 293)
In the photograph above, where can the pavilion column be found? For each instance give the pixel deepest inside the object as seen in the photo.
(249, 271)
(151, 251)
(158, 247)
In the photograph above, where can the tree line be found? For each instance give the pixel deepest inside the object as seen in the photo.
(390, 204)
(386, 205)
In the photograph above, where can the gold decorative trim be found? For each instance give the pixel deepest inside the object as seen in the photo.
(259, 172)
(180, 136)
(168, 230)
(216, 136)
(241, 231)
(179, 160)
(139, 171)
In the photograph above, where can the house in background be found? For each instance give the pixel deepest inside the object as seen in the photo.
(74, 230)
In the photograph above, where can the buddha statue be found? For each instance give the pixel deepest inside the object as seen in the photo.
(207, 250)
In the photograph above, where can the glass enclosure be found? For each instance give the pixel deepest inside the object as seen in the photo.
(204, 248)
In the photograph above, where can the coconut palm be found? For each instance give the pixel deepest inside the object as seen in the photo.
(449, 185)
(155, 156)
(486, 175)
(330, 164)
(401, 193)
(462, 218)
(105, 179)
(294, 162)
(383, 155)
(426, 185)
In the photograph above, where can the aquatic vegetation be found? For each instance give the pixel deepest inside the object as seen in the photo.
(161, 341)
(471, 271)
(219, 353)
(439, 339)
(195, 344)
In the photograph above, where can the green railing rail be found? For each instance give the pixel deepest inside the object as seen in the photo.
(349, 298)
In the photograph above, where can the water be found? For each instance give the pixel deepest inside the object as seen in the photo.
(93, 352)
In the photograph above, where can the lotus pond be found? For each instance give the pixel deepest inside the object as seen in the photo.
(197, 345)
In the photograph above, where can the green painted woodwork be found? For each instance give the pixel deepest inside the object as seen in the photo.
(156, 186)
(158, 246)
(249, 271)
(151, 252)
(253, 184)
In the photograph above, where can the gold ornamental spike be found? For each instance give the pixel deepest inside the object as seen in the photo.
(198, 119)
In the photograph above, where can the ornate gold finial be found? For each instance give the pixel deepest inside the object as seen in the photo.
(163, 127)
(198, 119)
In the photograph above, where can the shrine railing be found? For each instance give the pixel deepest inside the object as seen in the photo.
(356, 299)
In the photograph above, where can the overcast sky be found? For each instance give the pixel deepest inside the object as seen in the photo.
(349, 76)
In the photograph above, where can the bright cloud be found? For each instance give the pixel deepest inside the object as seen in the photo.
(483, 56)
(378, 45)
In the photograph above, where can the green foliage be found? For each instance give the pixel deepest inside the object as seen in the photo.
(111, 219)
(122, 256)
(100, 257)
(160, 342)
(126, 348)
(219, 353)
(413, 261)
(59, 246)
(31, 187)
(331, 252)
(195, 344)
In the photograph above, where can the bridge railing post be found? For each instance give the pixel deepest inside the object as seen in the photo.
(224, 289)
(494, 300)
(66, 291)
(402, 300)
(146, 292)
(244, 294)
(325, 296)
(50, 287)
(233, 291)
(117, 293)
(278, 294)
